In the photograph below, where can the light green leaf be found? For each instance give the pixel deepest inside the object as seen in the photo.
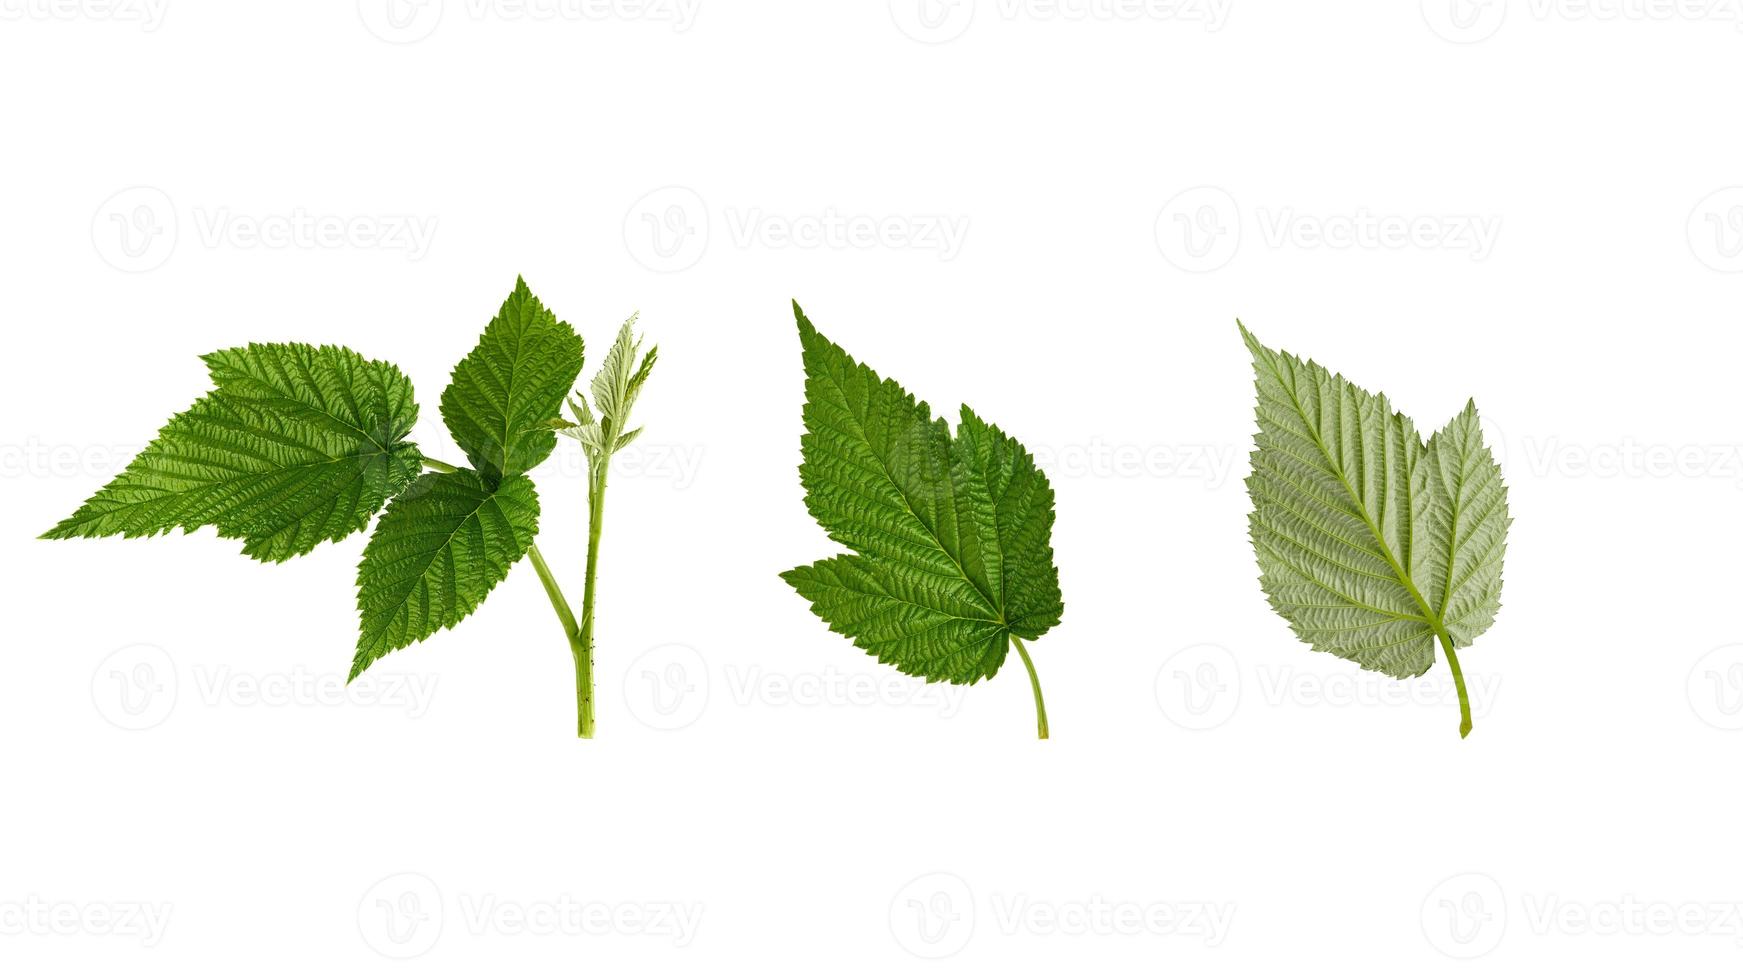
(1371, 544)
(1468, 525)
(296, 445)
(438, 551)
(578, 405)
(619, 380)
(627, 438)
(503, 392)
(589, 436)
(952, 535)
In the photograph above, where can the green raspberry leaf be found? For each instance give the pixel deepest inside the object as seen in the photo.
(435, 555)
(953, 535)
(296, 445)
(1372, 544)
(504, 393)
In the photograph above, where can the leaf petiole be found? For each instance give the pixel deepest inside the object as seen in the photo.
(1452, 660)
(578, 644)
(1035, 684)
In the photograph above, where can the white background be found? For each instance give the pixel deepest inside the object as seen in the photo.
(1119, 183)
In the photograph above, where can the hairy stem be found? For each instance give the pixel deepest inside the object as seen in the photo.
(584, 651)
(1452, 661)
(1035, 683)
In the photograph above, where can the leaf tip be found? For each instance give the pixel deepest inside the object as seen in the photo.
(1257, 349)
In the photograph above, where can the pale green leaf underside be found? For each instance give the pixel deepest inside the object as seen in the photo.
(438, 551)
(296, 445)
(503, 394)
(620, 379)
(1371, 542)
(615, 389)
(952, 534)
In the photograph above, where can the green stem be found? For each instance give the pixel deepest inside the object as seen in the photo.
(1035, 683)
(1452, 661)
(584, 651)
(579, 635)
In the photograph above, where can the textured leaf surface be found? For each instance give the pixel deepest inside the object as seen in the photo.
(615, 389)
(504, 393)
(953, 535)
(438, 551)
(1468, 525)
(1370, 543)
(296, 445)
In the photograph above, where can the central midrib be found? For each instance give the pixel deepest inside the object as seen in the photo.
(1430, 616)
(997, 608)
